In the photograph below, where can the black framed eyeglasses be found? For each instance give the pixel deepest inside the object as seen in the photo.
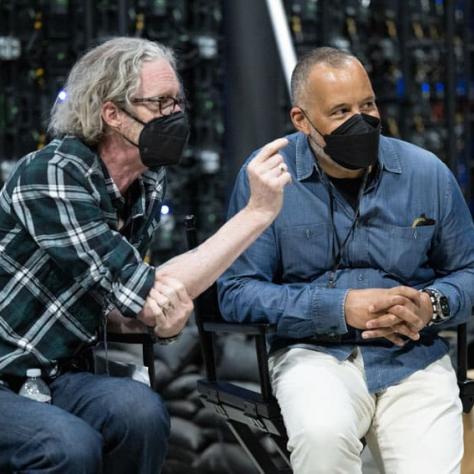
(165, 105)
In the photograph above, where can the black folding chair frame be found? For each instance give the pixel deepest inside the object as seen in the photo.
(244, 409)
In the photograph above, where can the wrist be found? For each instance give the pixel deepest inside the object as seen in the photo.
(427, 307)
(426, 302)
(164, 341)
(350, 311)
(261, 218)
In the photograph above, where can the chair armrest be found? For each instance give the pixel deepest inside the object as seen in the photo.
(466, 389)
(258, 331)
(252, 329)
(146, 340)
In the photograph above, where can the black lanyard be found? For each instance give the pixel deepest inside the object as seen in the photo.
(337, 252)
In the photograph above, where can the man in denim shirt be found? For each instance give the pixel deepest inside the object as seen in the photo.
(367, 223)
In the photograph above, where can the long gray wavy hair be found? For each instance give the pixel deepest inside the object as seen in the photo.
(109, 71)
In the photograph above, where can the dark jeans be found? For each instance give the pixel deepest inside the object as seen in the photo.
(96, 424)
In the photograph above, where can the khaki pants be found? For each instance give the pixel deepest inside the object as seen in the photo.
(411, 428)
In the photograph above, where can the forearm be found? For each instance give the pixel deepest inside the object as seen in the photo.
(198, 268)
(298, 309)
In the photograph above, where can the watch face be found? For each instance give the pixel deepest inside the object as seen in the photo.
(444, 305)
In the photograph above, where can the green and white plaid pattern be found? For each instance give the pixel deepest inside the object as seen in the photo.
(62, 258)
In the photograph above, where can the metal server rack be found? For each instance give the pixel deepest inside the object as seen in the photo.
(419, 56)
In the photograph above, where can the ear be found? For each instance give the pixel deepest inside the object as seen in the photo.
(111, 114)
(299, 120)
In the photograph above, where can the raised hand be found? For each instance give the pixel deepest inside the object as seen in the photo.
(268, 175)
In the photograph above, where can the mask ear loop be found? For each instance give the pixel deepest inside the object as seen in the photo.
(126, 112)
(308, 119)
(310, 138)
(338, 257)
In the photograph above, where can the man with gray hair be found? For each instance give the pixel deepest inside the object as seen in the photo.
(370, 257)
(76, 219)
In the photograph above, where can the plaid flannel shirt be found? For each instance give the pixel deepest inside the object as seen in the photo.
(62, 257)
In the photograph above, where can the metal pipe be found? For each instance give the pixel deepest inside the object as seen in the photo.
(281, 31)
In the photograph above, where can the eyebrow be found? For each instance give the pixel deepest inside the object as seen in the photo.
(158, 97)
(338, 106)
(344, 104)
(370, 97)
(168, 92)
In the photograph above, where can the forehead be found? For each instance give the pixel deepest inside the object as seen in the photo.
(328, 86)
(158, 78)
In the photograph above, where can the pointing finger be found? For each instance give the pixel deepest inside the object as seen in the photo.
(270, 149)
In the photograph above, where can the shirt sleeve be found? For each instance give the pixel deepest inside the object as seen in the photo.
(60, 208)
(453, 250)
(248, 292)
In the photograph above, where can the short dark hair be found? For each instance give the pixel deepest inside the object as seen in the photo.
(332, 56)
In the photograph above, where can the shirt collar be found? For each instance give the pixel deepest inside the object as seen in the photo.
(112, 189)
(150, 186)
(72, 147)
(139, 204)
(306, 165)
(388, 156)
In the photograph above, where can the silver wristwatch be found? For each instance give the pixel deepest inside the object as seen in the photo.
(440, 304)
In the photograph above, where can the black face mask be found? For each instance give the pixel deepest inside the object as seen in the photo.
(162, 140)
(355, 143)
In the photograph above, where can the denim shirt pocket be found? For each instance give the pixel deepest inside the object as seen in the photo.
(407, 250)
(305, 251)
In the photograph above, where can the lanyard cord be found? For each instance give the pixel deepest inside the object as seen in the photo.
(336, 241)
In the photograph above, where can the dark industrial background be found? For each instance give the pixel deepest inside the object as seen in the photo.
(419, 54)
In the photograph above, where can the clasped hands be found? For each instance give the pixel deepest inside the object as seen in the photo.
(388, 313)
(167, 307)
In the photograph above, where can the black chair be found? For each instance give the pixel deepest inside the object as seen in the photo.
(243, 409)
(466, 386)
(146, 341)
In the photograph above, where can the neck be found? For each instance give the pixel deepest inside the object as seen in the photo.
(122, 161)
(336, 171)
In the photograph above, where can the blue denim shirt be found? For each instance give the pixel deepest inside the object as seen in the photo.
(283, 277)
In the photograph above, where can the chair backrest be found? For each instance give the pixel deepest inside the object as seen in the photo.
(242, 409)
(205, 307)
(466, 386)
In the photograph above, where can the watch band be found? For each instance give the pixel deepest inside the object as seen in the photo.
(432, 299)
(164, 341)
(439, 304)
